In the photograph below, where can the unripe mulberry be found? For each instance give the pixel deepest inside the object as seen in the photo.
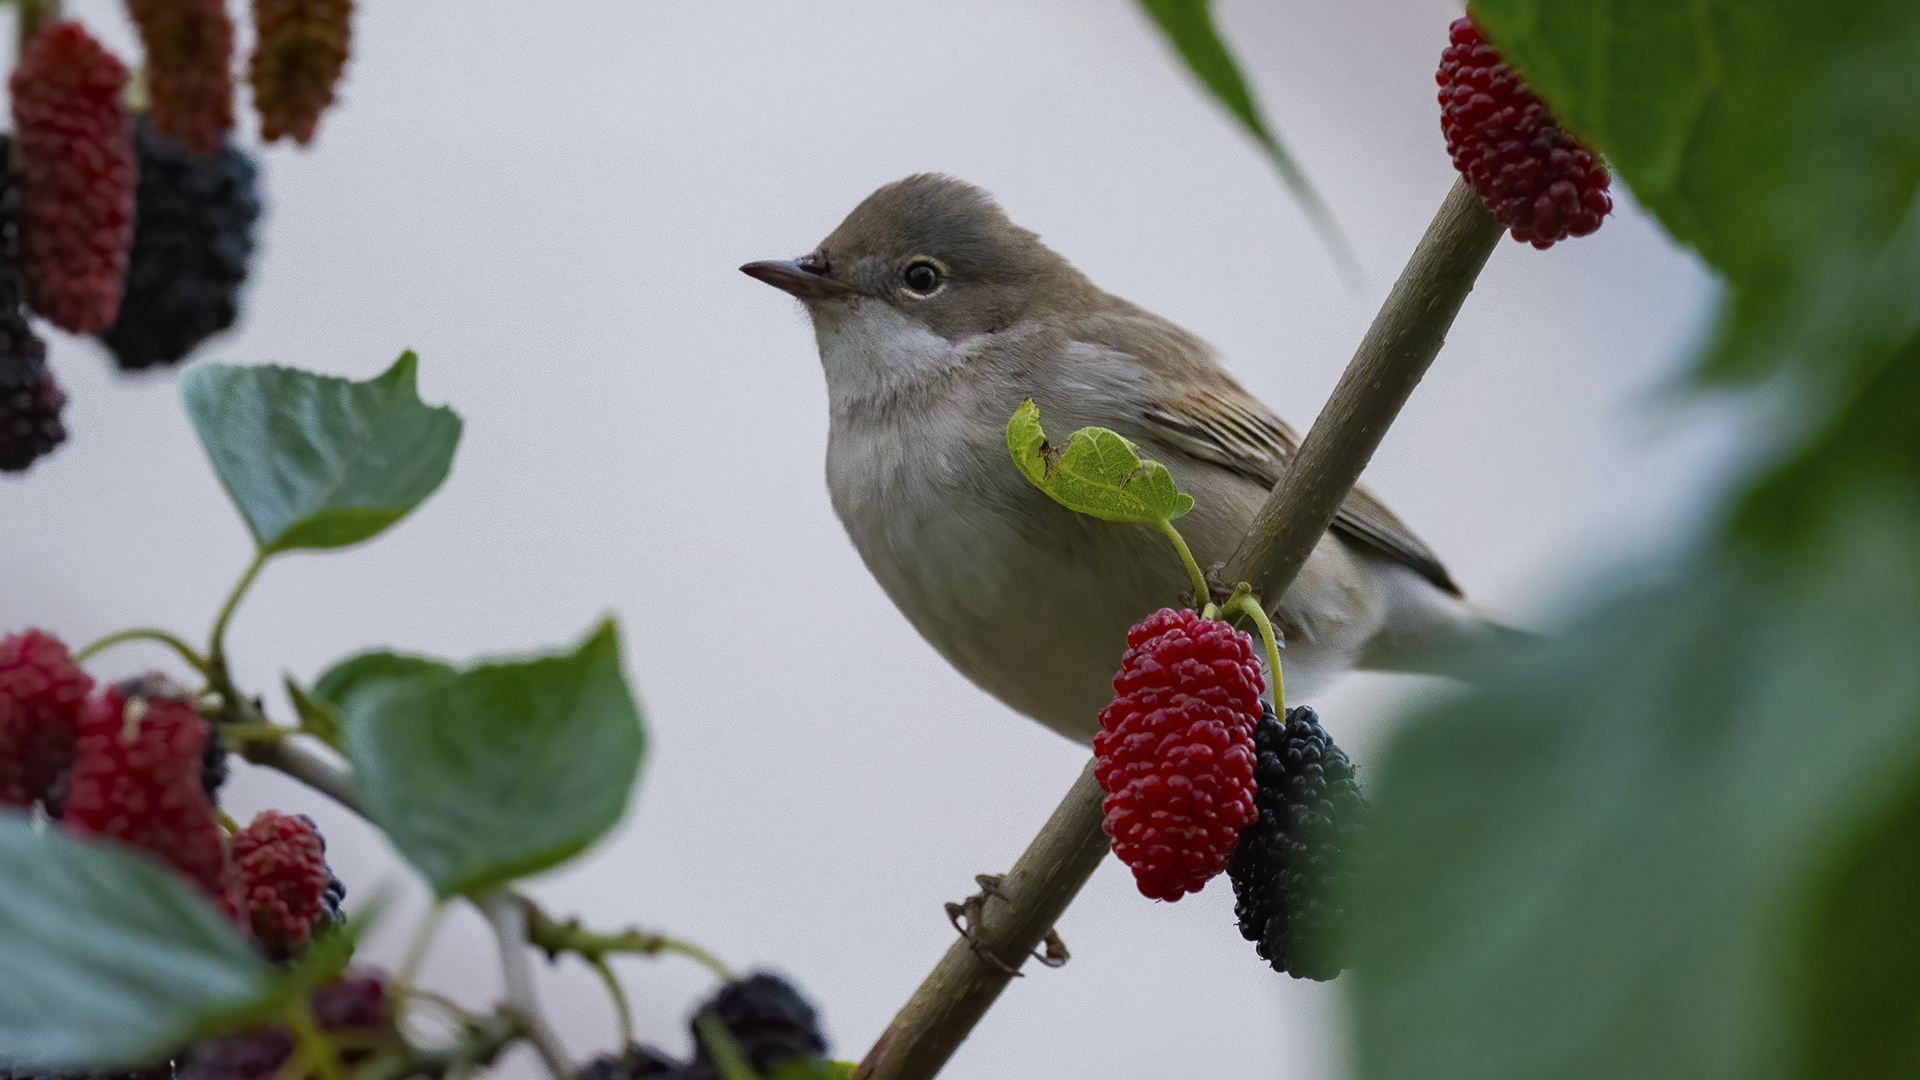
(189, 69)
(300, 50)
(768, 1019)
(1288, 869)
(136, 779)
(1539, 181)
(353, 1008)
(1175, 750)
(282, 865)
(30, 401)
(191, 245)
(76, 187)
(41, 694)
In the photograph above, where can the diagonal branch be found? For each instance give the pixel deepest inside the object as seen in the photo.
(1016, 915)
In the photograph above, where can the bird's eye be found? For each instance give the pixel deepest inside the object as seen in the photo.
(923, 277)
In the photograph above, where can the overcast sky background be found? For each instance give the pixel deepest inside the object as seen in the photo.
(549, 200)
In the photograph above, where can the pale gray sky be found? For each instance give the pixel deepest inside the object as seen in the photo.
(549, 200)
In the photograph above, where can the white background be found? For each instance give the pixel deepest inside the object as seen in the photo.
(549, 200)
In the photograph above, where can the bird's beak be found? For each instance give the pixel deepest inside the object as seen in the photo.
(805, 278)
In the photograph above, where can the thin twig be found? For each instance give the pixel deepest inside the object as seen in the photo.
(144, 633)
(1015, 916)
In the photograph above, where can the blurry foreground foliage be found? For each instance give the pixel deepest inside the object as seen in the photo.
(1685, 840)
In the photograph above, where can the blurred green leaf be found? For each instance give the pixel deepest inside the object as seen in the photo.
(108, 958)
(1188, 25)
(1099, 473)
(323, 708)
(1684, 843)
(319, 717)
(503, 770)
(1781, 138)
(318, 462)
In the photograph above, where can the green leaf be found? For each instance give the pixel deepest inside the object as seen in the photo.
(318, 462)
(108, 958)
(1099, 473)
(1781, 138)
(1188, 26)
(1672, 847)
(485, 775)
(323, 709)
(319, 717)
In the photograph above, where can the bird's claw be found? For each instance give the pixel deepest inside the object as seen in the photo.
(965, 917)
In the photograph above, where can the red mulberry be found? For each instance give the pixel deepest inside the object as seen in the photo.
(136, 778)
(41, 693)
(1175, 750)
(77, 177)
(1538, 180)
(282, 865)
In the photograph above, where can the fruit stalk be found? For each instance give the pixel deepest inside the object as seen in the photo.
(1020, 911)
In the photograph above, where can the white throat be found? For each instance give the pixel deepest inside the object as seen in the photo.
(868, 348)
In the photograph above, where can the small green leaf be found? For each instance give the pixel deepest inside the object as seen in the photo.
(108, 958)
(317, 462)
(1099, 473)
(318, 716)
(485, 775)
(1188, 25)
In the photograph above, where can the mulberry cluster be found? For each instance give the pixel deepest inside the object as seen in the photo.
(300, 52)
(1539, 181)
(1288, 867)
(191, 246)
(771, 1024)
(41, 694)
(189, 69)
(1175, 750)
(77, 177)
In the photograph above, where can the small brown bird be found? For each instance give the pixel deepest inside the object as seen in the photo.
(936, 317)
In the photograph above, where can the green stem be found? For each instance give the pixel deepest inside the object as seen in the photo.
(1200, 592)
(216, 650)
(555, 938)
(144, 633)
(622, 1011)
(416, 954)
(314, 1047)
(1243, 602)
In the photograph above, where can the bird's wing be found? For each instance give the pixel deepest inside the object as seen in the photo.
(1196, 407)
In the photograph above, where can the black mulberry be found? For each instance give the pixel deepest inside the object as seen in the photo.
(1287, 867)
(192, 241)
(769, 1020)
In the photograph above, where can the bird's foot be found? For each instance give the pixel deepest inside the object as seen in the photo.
(965, 917)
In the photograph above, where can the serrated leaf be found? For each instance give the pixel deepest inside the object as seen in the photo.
(499, 771)
(313, 461)
(1188, 26)
(1099, 473)
(108, 958)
